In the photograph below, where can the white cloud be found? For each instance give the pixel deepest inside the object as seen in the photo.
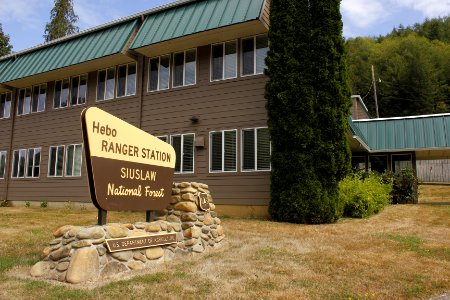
(429, 8)
(28, 13)
(363, 13)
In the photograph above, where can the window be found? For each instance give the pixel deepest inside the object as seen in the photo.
(254, 52)
(185, 68)
(163, 138)
(184, 151)
(78, 87)
(378, 163)
(56, 160)
(126, 80)
(2, 164)
(401, 161)
(39, 98)
(73, 160)
(159, 73)
(222, 151)
(256, 149)
(33, 162)
(223, 61)
(106, 84)
(24, 105)
(358, 163)
(26, 163)
(5, 105)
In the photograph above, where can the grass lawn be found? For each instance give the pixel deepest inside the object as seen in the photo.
(402, 253)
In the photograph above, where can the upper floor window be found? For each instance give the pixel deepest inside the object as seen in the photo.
(70, 92)
(24, 104)
(26, 163)
(126, 80)
(222, 151)
(5, 105)
(184, 150)
(159, 73)
(106, 84)
(254, 52)
(185, 68)
(2, 164)
(256, 149)
(39, 98)
(223, 61)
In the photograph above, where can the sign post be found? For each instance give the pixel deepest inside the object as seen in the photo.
(128, 169)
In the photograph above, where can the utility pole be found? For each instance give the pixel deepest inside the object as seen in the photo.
(375, 92)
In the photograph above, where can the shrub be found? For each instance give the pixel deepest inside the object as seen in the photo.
(364, 194)
(404, 189)
(44, 204)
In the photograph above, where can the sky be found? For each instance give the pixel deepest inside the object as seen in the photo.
(24, 20)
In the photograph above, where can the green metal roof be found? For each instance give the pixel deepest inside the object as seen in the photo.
(81, 48)
(407, 133)
(195, 17)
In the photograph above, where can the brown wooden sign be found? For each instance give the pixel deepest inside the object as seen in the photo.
(128, 169)
(129, 243)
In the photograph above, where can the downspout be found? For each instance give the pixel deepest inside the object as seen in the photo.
(10, 154)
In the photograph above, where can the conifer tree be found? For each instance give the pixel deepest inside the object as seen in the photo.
(62, 20)
(308, 106)
(5, 46)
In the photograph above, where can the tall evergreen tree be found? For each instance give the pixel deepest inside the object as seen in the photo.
(308, 104)
(5, 46)
(62, 20)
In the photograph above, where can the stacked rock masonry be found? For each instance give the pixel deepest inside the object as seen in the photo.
(79, 254)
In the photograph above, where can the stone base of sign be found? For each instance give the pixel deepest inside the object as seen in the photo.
(79, 253)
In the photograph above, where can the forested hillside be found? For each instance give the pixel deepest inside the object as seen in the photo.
(412, 69)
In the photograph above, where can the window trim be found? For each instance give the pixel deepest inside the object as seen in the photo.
(68, 94)
(223, 61)
(18, 103)
(106, 79)
(13, 163)
(223, 152)
(4, 153)
(27, 160)
(159, 64)
(116, 89)
(254, 55)
(184, 68)
(164, 136)
(10, 105)
(56, 162)
(256, 150)
(182, 153)
(39, 94)
(73, 161)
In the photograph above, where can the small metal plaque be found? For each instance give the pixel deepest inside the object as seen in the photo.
(129, 243)
(203, 202)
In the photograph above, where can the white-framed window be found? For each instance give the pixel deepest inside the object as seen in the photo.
(5, 105)
(185, 68)
(78, 88)
(26, 163)
(224, 60)
(70, 91)
(106, 84)
(184, 151)
(253, 53)
(255, 154)
(126, 80)
(159, 73)
(39, 98)
(74, 160)
(33, 162)
(223, 154)
(2, 164)
(18, 164)
(56, 161)
(163, 138)
(24, 103)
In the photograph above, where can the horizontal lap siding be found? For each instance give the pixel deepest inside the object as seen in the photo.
(61, 127)
(227, 104)
(5, 138)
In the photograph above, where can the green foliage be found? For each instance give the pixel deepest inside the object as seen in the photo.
(412, 69)
(62, 20)
(27, 204)
(364, 194)
(44, 204)
(5, 46)
(404, 189)
(308, 103)
(4, 203)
